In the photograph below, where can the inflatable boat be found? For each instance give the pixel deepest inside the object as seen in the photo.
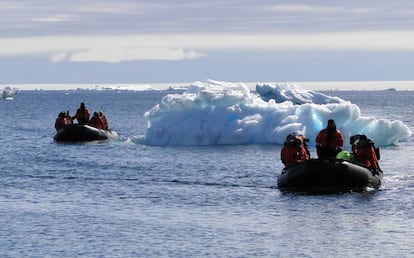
(83, 133)
(329, 175)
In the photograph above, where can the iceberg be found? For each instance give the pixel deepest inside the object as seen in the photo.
(215, 113)
(291, 92)
(8, 93)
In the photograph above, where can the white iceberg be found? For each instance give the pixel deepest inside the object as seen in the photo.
(214, 113)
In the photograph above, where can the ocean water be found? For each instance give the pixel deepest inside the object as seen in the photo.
(122, 198)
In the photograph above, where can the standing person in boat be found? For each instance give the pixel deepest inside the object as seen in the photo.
(82, 114)
(365, 153)
(329, 141)
(294, 150)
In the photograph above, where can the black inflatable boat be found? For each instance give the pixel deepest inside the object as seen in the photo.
(329, 175)
(82, 133)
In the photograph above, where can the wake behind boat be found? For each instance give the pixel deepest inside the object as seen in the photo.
(83, 133)
(328, 175)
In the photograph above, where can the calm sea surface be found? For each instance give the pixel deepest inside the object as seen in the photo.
(124, 199)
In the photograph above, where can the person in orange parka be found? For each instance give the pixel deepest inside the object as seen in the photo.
(365, 153)
(329, 142)
(294, 151)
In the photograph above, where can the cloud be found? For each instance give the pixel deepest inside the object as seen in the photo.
(77, 17)
(193, 46)
(312, 9)
(59, 57)
(110, 49)
(116, 55)
(53, 18)
(119, 7)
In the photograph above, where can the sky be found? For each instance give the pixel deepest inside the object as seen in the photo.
(174, 41)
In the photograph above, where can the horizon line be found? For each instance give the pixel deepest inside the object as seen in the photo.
(309, 85)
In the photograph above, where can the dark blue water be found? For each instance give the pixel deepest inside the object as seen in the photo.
(124, 199)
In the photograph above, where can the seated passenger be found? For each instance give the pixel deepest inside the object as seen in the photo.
(96, 121)
(352, 140)
(304, 142)
(365, 153)
(68, 118)
(60, 121)
(104, 120)
(294, 151)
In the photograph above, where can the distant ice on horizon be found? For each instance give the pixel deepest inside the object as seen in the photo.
(8, 93)
(214, 113)
(123, 87)
(321, 85)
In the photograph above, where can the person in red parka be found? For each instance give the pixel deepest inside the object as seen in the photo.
(294, 150)
(329, 142)
(104, 120)
(82, 114)
(60, 121)
(96, 121)
(365, 153)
